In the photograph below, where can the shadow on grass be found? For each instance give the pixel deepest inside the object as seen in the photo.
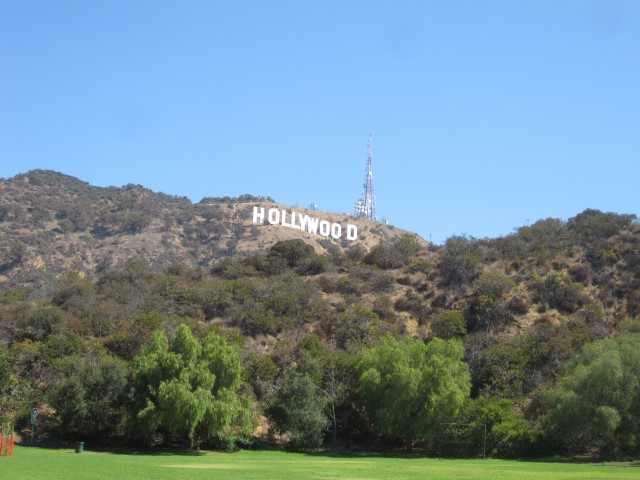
(151, 452)
(340, 454)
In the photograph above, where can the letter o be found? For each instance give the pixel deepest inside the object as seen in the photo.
(274, 216)
(325, 228)
(336, 231)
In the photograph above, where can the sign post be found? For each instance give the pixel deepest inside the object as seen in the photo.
(34, 415)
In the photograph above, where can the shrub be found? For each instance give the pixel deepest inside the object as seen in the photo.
(558, 291)
(488, 307)
(41, 322)
(459, 261)
(595, 225)
(449, 324)
(395, 254)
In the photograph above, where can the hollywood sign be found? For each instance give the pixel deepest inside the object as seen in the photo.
(305, 223)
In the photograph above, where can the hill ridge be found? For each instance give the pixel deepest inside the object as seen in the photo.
(52, 222)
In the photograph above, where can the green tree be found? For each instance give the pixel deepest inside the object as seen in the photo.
(90, 394)
(297, 409)
(188, 389)
(408, 387)
(335, 373)
(595, 404)
(508, 434)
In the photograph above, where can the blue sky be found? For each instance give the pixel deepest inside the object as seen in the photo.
(486, 115)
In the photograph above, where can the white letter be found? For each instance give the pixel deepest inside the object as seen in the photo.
(336, 231)
(293, 221)
(324, 228)
(284, 219)
(258, 215)
(304, 219)
(274, 216)
(352, 232)
(313, 225)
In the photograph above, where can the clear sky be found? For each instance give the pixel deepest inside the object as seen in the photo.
(486, 115)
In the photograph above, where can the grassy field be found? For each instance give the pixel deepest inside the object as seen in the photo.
(45, 464)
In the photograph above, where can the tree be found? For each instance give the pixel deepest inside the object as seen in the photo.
(595, 225)
(297, 409)
(459, 261)
(90, 395)
(408, 387)
(15, 394)
(508, 434)
(595, 404)
(293, 252)
(395, 254)
(188, 389)
(334, 372)
(336, 383)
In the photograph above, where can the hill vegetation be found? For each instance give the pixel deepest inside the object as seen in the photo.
(127, 315)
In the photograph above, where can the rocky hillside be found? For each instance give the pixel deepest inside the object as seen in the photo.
(51, 223)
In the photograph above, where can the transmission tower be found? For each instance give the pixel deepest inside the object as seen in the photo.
(366, 206)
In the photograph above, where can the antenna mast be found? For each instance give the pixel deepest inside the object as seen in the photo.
(366, 206)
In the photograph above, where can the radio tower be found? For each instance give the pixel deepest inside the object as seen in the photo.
(366, 206)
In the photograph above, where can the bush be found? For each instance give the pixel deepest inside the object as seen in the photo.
(595, 225)
(41, 322)
(313, 265)
(558, 291)
(489, 306)
(459, 261)
(449, 324)
(355, 327)
(395, 254)
(293, 252)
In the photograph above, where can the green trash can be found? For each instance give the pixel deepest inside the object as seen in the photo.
(79, 447)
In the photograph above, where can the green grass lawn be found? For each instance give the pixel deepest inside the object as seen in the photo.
(45, 464)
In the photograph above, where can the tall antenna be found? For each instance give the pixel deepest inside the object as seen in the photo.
(366, 206)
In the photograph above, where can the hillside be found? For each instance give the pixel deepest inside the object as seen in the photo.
(51, 223)
(374, 343)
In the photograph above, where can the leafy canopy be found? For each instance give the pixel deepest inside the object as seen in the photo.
(595, 404)
(187, 388)
(408, 387)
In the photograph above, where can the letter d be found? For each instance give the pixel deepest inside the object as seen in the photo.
(352, 232)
